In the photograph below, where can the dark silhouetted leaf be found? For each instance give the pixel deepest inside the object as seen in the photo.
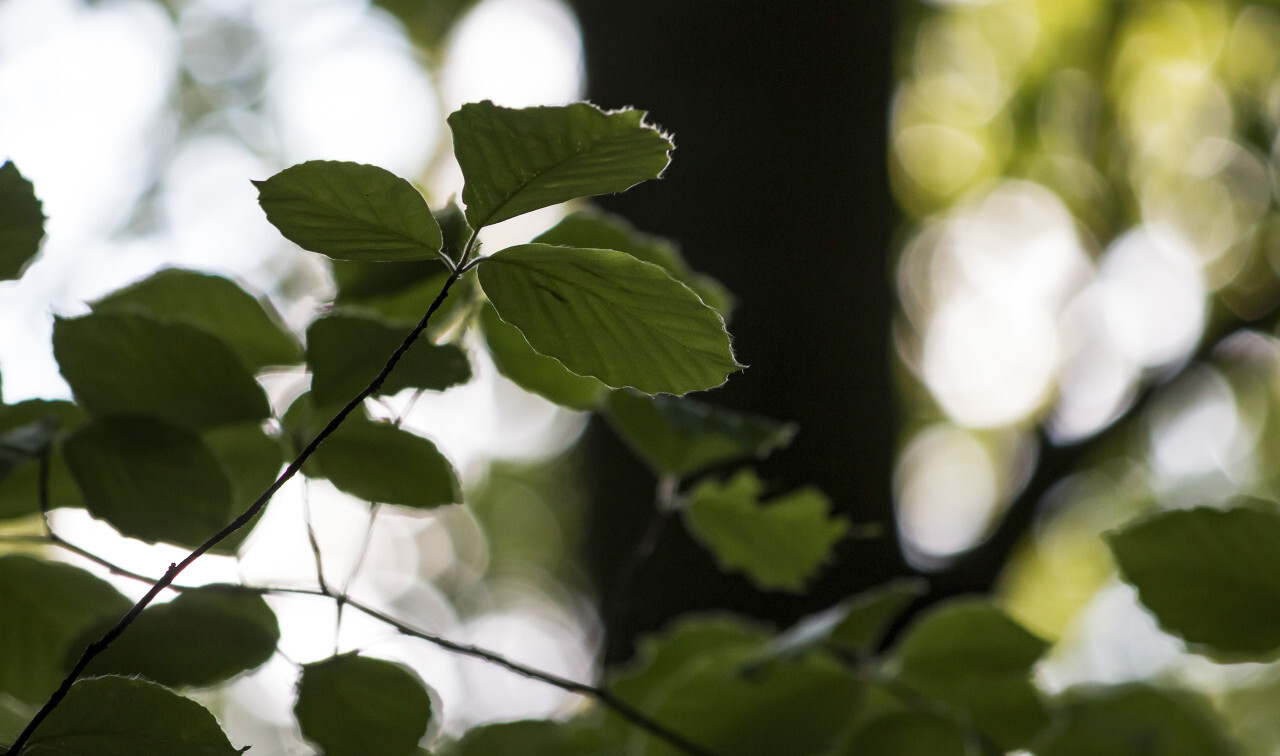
(605, 314)
(350, 211)
(515, 161)
(19, 490)
(355, 706)
(379, 462)
(1134, 719)
(778, 544)
(151, 480)
(21, 223)
(855, 625)
(536, 738)
(252, 461)
(533, 372)
(908, 734)
(680, 436)
(127, 363)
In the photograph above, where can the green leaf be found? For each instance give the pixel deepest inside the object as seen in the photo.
(204, 636)
(48, 606)
(249, 325)
(515, 161)
(687, 641)
(605, 314)
(971, 657)
(535, 737)
(118, 716)
(380, 462)
(345, 351)
(350, 211)
(1209, 576)
(680, 436)
(252, 460)
(354, 706)
(25, 443)
(21, 223)
(533, 372)
(19, 490)
(778, 544)
(1134, 719)
(908, 733)
(127, 363)
(854, 626)
(151, 480)
(596, 230)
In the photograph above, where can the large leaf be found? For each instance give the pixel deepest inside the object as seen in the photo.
(248, 324)
(151, 480)
(597, 230)
(345, 351)
(128, 363)
(204, 636)
(350, 211)
(47, 607)
(360, 280)
(856, 625)
(535, 737)
(971, 657)
(119, 716)
(1210, 576)
(908, 733)
(25, 444)
(1134, 719)
(355, 706)
(533, 372)
(19, 490)
(380, 462)
(252, 460)
(778, 544)
(606, 314)
(21, 222)
(515, 161)
(679, 436)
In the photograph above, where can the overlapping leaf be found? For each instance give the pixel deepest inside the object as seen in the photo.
(534, 372)
(354, 706)
(605, 314)
(518, 160)
(350, 211)
(19, 490)
(855, 625)
(778, 544)
(908, 733)
(379, 462)
(1131, 719)
(21, 222)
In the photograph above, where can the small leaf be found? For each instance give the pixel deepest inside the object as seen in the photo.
(249, 325)
(1209, 576)
(345, 352)
(605, 314)
(350, 211)
(533, 372)
(21, 223)
(597, 230)
(204, 636)
(687, 641)
(354, 706)
(515, 161)
(151, 480)
(680, 436)
(380, 462)
(48, 606)
(970, 656)
(778, 544)
(1134, 719)
(127, 363)
(855, 625)
(19, 490)
(908, 733)
(119, 716)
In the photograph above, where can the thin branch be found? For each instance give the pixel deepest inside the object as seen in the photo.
(314, 543)
(100, 645)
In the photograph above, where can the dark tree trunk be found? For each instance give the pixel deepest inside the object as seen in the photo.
(779, 189)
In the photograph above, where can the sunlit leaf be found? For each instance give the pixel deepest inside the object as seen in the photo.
(533, 372)
(127, 363)
(151, 480)
(119, 716)
(350, 211)
(204, 636)
(47, 607)
(597, 230)
(1209, 576)
(19, 490)
(855, 625)
(605, 314)
(379, 462)
(248, 324)
(971, 657)
(1134, 719)
(908, 733)
(778, 544)
(679, 436)
(355, 706)
(345, 351)
(21, 223)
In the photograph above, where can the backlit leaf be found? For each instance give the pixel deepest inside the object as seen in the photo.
(1134, 719)
(355, 706)
(778, 544)
(19, 490)
(517, 160)
(379, 462)
(350, 211)
(21, 223)
(605, 314)
(855, 625)
(533, 372)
